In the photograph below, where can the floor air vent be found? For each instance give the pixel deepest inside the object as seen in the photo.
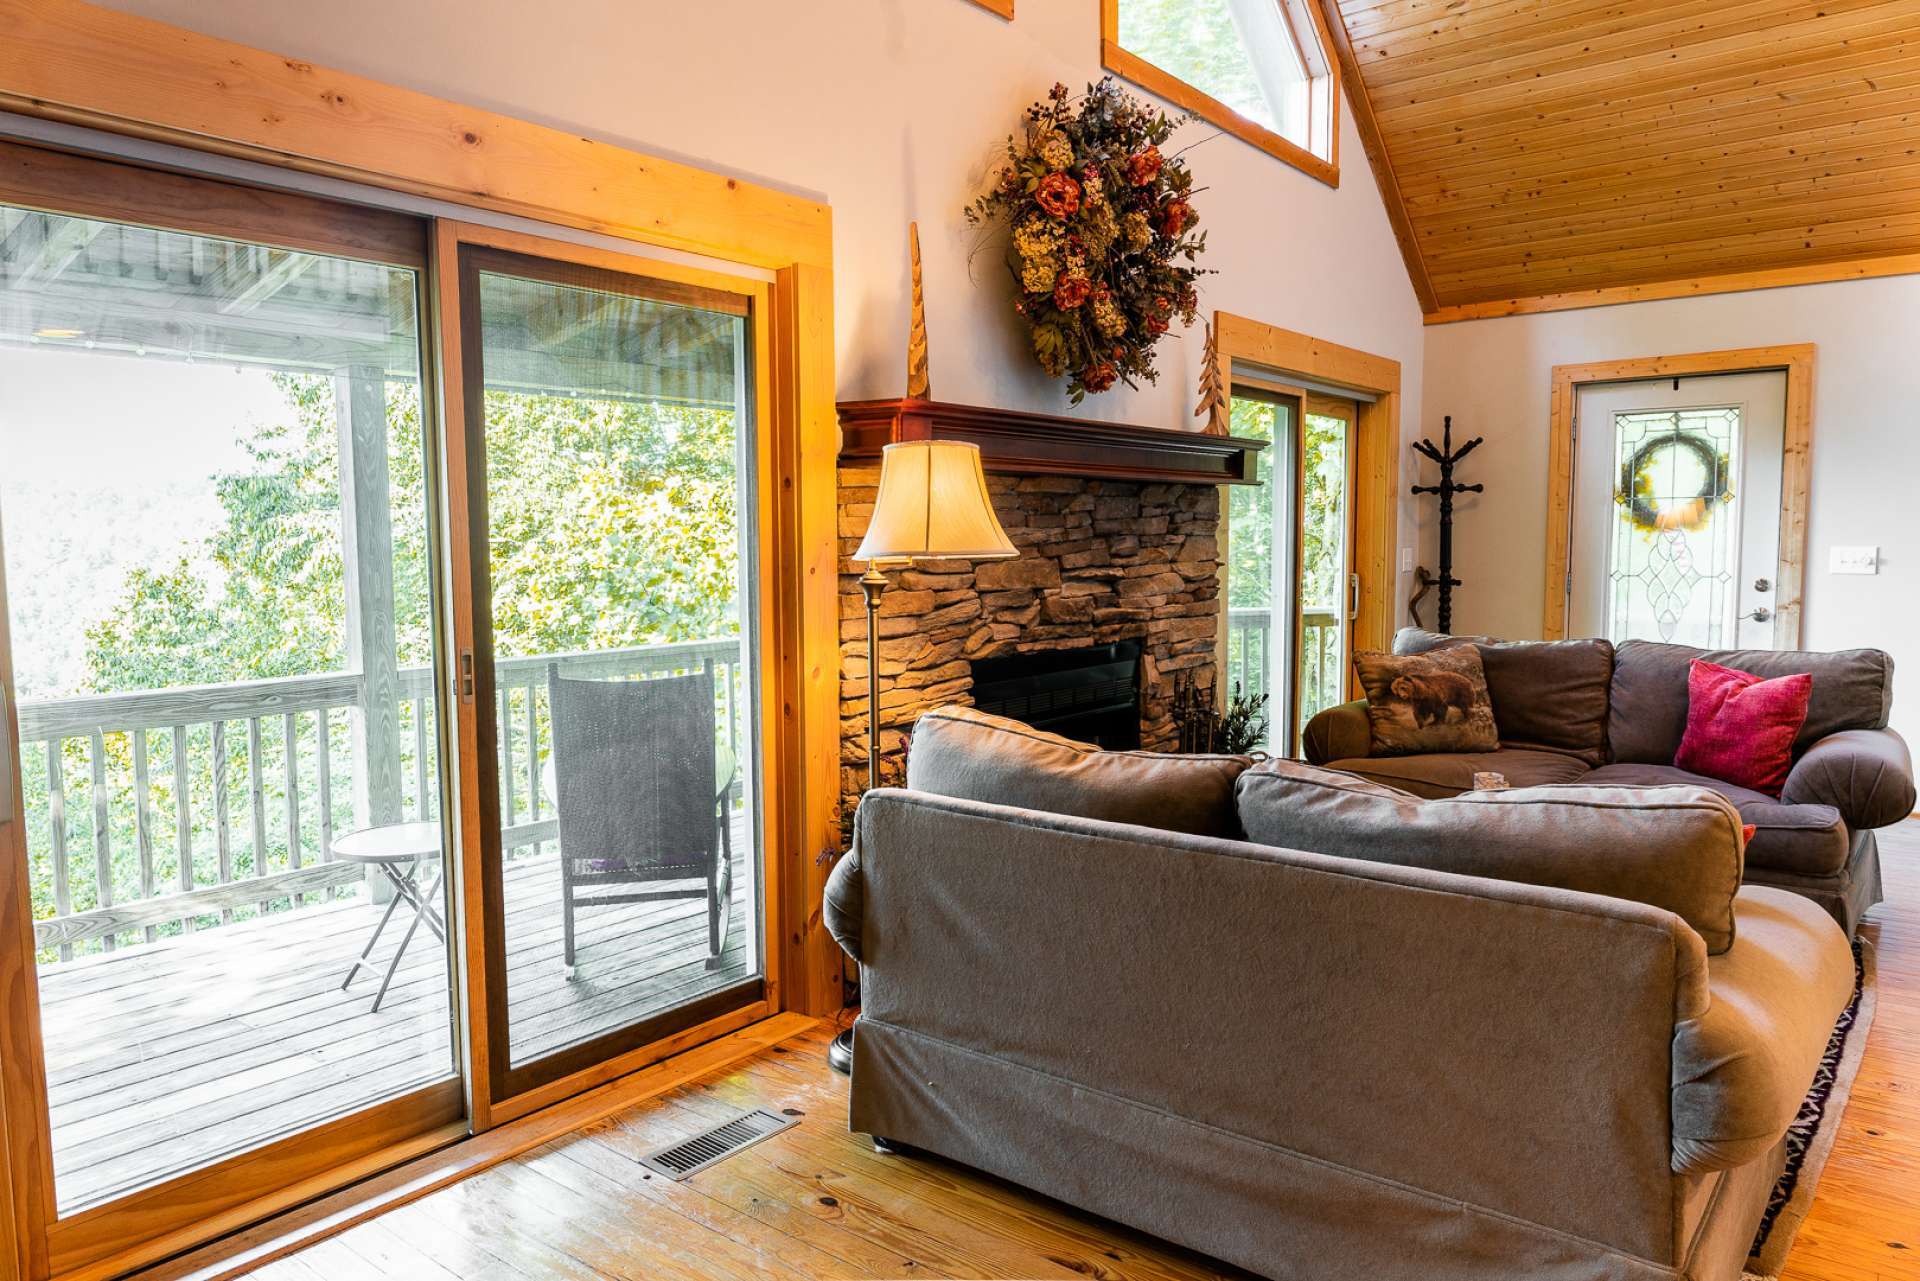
(690, 1156)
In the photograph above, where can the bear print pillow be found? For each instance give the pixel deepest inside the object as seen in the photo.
(1431, 702)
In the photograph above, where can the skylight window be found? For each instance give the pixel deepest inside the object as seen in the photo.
(1257, 68)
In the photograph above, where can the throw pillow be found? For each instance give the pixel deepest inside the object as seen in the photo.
(957, 751)
(1422, 703)
(1741, 727)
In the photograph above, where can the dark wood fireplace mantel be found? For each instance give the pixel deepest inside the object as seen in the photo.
(1051, 444)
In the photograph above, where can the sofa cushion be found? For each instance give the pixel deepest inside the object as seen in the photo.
(1676, 848)
(1418, 703)
(1545, 693)
(1444, 774)
(1742, 1068)
(1852, 689)
(957, 751)
(1810, 839)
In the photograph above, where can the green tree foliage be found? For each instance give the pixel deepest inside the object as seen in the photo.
(611, 524)
(1196, 40)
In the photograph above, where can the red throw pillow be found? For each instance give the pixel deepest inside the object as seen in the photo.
(1740, 728)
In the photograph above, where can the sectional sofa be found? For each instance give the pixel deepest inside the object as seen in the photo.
(1547, 1040)
(1589, 712)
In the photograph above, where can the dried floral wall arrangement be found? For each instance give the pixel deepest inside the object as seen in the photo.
(1103, 239)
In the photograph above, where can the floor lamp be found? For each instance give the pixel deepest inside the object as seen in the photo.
(932, 506)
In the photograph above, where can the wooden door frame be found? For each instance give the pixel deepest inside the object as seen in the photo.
(78, 63)
(1796, 466)
(1376, 452)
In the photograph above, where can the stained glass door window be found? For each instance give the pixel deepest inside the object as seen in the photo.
(1673, 556)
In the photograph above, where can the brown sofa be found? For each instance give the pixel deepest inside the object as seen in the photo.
(1321, 1067)
(1589, 712)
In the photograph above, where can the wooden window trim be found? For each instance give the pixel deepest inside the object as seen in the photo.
(1002, 7)
(1796, 466)
(1375, 466)
(1326, 88)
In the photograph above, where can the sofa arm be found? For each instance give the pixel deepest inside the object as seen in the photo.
(843, 906)
(1340, 733)
(1742, 1067)
(1866, 774)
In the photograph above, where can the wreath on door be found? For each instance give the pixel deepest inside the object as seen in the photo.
(1654, 514)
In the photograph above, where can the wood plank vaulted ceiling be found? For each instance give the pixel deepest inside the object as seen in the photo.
(1535, 149)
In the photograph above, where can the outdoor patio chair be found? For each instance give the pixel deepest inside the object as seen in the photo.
(634, 794)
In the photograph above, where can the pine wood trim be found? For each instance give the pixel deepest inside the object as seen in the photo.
(808, 431)
(1002, 7)
(81, 63)
(1699, 287)
(1796, 466)
(1380, 159)
(1132, 67)
(1376, 457)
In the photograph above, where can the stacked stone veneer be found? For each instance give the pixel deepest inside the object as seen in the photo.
(1099, 561)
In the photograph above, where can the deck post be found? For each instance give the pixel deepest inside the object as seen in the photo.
(360, 397)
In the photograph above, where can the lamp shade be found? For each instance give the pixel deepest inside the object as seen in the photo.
(933, 505)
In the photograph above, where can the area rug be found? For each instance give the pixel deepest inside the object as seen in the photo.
(1811, 1137)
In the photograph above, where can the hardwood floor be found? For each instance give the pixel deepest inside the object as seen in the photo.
(1865, 1224)
(817, 1201)
(160, 1058)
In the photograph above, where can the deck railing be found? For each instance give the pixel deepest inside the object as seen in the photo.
(173, 810)
(1251, 642)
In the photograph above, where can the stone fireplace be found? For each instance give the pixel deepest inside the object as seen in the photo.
(1100, 561)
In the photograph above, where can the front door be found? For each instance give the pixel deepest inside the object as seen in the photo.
(1676, 511)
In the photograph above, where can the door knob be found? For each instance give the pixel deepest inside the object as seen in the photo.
(1760, 615)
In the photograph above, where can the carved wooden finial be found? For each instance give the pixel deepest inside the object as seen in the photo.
(919, 383)
(1213, 392)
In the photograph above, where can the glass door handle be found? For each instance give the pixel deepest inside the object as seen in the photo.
(1353, 597)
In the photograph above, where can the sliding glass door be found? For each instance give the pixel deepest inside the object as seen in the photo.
(1291, 588)
(215, 488)
(610, 421)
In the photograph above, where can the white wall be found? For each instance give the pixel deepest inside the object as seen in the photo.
(1493, 375)
(888, 110)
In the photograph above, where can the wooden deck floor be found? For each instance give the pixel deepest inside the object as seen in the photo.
(162, 1058)
(816, 1201)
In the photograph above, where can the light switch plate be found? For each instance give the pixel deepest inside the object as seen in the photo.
(1854, 560)
(1406, 560)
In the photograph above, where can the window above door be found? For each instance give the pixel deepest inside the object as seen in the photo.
(1259, 69)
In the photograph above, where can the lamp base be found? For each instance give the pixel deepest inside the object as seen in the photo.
(840, 1053)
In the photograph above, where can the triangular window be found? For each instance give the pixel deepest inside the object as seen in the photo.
(1257, 68)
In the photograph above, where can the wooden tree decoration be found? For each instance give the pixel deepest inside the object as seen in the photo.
(1447, 457)
(919, 380)
(1213, 393)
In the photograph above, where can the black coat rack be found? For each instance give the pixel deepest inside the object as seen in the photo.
(1447, 457)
